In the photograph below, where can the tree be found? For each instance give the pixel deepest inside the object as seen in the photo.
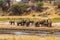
(3, 6)
(8, 2)
(58, 3)
(50, 1)
(18, 9)
(1, 3)
(39, 6)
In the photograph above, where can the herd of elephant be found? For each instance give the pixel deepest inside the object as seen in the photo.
(27, 23)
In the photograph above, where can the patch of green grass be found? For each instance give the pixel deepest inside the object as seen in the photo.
(6, 19)
(3, 19)
(56, 19)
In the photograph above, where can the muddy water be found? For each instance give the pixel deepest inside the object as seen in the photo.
(32, 33)
(40, 34)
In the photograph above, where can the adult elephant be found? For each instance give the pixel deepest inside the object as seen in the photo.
(37, 24)
(19, 23)
(29, 23)
(12, 22)
(44, 22)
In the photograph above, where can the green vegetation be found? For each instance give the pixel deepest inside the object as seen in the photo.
(40, 6)
(56, 19)
(35, 19)
(1, 2)
(18, 9)
(50, 1)
(6, 19)
(57, 3)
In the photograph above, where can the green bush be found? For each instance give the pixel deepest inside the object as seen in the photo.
(18, 9)
(40, 4)
(1, 2)
(50, 1)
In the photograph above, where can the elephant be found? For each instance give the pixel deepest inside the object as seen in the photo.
(12, 22)
(37, 24)
(22, 23)
(27, 23)
(19, 23)
(44, 22)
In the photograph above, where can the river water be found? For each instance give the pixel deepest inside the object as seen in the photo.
(32, 33)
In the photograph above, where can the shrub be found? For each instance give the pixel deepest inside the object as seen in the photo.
(1, 2)
(39, 6)
(18, 9)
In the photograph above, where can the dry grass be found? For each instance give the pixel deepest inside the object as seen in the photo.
(27, 37)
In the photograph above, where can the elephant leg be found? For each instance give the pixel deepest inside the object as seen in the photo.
(27, 24)
(37, 25)
(21, 24)
(10, 23)
(17, 24)
(50, 25)
(13, 23)
(46, 25)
